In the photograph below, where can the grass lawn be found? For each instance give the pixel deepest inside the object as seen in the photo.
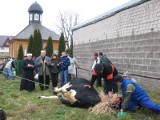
(22, 105)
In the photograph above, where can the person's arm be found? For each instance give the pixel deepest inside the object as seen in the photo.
(76, 63)
(94, 63)
(38, 63)
(98, 60)
(129, 91)
(48, 62)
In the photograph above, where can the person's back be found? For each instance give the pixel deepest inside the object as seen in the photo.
(109, 69)
(138, 92)
(9, 64)
(105, 60)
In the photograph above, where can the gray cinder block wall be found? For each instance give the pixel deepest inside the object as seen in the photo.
(129, 36)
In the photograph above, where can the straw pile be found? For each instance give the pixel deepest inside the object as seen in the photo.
(105, 106)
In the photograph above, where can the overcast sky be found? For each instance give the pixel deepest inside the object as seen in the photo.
(14, 13)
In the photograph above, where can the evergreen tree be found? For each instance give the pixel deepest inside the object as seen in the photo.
(35, 53)
(20, 52)
(61, 47)
(39, 42)
(49, 47)
(30, 45)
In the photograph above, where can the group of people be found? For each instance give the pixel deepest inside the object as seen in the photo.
(47, 68)
(133, 95)
(103, 68)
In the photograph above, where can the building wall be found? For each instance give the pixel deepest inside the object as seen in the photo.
(14, 46)
(131, 40)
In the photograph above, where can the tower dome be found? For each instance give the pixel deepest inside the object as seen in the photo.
(35, 8)
(35, 13)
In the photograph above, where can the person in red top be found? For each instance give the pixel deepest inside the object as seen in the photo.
(108, 72)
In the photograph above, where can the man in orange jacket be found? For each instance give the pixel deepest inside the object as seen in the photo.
(107, 71)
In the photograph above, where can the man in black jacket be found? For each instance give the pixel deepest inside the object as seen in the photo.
(107, 71)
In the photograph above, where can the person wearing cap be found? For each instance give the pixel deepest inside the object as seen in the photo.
(107, 71)
(27, 82)
(133, 95)
(42, 64)
(127, 75)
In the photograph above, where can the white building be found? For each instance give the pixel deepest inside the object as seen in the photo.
(4, 45)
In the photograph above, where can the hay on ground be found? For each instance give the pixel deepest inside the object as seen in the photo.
(105, 106)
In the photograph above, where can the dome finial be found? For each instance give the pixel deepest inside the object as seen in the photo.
(35, 8)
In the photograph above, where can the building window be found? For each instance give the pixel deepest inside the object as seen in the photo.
(36, 17)
(30, 17)
(40, 18)
(2, 48)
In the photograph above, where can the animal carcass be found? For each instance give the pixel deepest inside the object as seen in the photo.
(77, 93)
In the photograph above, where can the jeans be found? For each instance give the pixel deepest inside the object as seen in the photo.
(8, 73)
(63, 77)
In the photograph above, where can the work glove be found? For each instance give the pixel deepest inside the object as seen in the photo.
(121, 113)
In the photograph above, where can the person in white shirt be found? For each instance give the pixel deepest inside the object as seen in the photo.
(8, 70)
(95, 78)
(72, 67)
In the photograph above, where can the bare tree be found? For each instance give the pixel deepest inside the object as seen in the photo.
(67, 19)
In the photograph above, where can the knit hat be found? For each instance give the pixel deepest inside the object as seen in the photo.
(118, 78)
(98, 68)
(29, 54)
(126, 73)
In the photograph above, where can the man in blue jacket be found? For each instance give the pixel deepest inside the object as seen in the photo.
(64, 63)
(134, 95)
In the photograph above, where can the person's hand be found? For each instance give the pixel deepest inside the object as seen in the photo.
(87, 86)
(28, 65)
(32, 65)
(52, 64)
(117, 100)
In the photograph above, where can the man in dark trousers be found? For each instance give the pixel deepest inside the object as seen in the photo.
(27, 82)
(107, 71)
(42, 64)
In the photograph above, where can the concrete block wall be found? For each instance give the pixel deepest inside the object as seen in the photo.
(130, 39)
